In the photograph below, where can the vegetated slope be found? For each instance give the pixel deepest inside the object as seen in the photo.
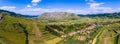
(14, 30)
(110, 34)
(58, 16)
(102, 15)
(36, 34)
(18, 30)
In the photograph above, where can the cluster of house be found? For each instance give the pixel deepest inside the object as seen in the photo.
(86, 30)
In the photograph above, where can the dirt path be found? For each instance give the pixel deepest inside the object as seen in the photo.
(106, 40)
(36, 34)
(36, 31)
(95, 39)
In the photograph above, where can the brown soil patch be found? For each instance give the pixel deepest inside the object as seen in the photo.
(82, 38)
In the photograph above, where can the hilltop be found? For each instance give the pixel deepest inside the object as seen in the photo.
(18, 14)
(109, 15)
(58, 16)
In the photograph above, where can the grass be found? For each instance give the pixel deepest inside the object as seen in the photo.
(54, 41)
(107, 36)
(81, 23)
(12, 29)
(14, 37)
(96, 37)
(83, 20)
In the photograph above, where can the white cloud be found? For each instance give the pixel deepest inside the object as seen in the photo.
(38, 11)
(10, 8)
(95, 7)
(90, 0)
(34, 3)
(28, 5)
(118, 9)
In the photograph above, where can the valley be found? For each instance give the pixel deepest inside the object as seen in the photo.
(71, 29)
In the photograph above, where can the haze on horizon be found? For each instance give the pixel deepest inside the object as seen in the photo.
(36, 7)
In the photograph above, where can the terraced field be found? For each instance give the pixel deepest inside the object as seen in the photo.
(98, 34)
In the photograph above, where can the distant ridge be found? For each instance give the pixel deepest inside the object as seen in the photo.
(17, 14)
(58, 16)
(110, 15)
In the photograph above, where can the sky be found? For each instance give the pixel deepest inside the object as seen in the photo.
(37, 7)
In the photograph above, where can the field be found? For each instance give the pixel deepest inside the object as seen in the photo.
(102, 33)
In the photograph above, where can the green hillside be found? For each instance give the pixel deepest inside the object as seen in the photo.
(14, 29)
(19, 30)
